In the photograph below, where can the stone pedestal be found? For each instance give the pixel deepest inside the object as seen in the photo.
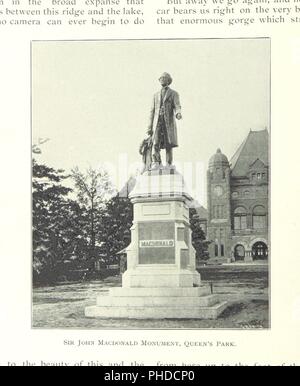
(161, 280)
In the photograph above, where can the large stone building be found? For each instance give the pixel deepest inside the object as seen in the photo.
(238, 202)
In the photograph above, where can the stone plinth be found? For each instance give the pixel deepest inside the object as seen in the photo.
(161, 280)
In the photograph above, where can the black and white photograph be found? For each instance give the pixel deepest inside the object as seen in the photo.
(150, 184)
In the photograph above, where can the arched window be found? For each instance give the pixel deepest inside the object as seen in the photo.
(219, 211)
(216, 250)
(222, 250)
(239, 252)
(260, 251)
(259, 217)
(222, 234)
(240, 218)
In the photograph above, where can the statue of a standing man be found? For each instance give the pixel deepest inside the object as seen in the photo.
(162, 126)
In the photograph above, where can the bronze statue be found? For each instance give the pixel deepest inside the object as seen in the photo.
(162, 126)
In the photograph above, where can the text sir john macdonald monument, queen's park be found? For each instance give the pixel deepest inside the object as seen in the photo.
(161, 280)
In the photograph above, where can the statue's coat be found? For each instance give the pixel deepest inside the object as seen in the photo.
(172, 107)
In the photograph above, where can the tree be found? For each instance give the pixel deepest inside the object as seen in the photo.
(116, 224)
(198, 237)
(51, 209)
(93, 189)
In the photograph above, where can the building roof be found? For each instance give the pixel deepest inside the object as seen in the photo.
(218, 159)
(255, 146)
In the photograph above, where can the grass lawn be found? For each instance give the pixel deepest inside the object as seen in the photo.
(244, 287)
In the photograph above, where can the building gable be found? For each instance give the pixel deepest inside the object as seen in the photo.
(254, 150)
(258, 165)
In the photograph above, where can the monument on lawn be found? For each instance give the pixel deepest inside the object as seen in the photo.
(161, 280)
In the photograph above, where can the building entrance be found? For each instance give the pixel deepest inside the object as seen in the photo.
(260, 251)
(239, 253)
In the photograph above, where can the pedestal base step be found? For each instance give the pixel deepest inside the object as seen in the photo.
(204, 301)
(157, 303)
(155, 312)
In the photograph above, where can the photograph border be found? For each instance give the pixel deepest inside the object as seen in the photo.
(269, 328)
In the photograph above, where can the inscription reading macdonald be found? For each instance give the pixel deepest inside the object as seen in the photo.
(157, 244)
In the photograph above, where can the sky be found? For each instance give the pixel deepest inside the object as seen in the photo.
(92, 100)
